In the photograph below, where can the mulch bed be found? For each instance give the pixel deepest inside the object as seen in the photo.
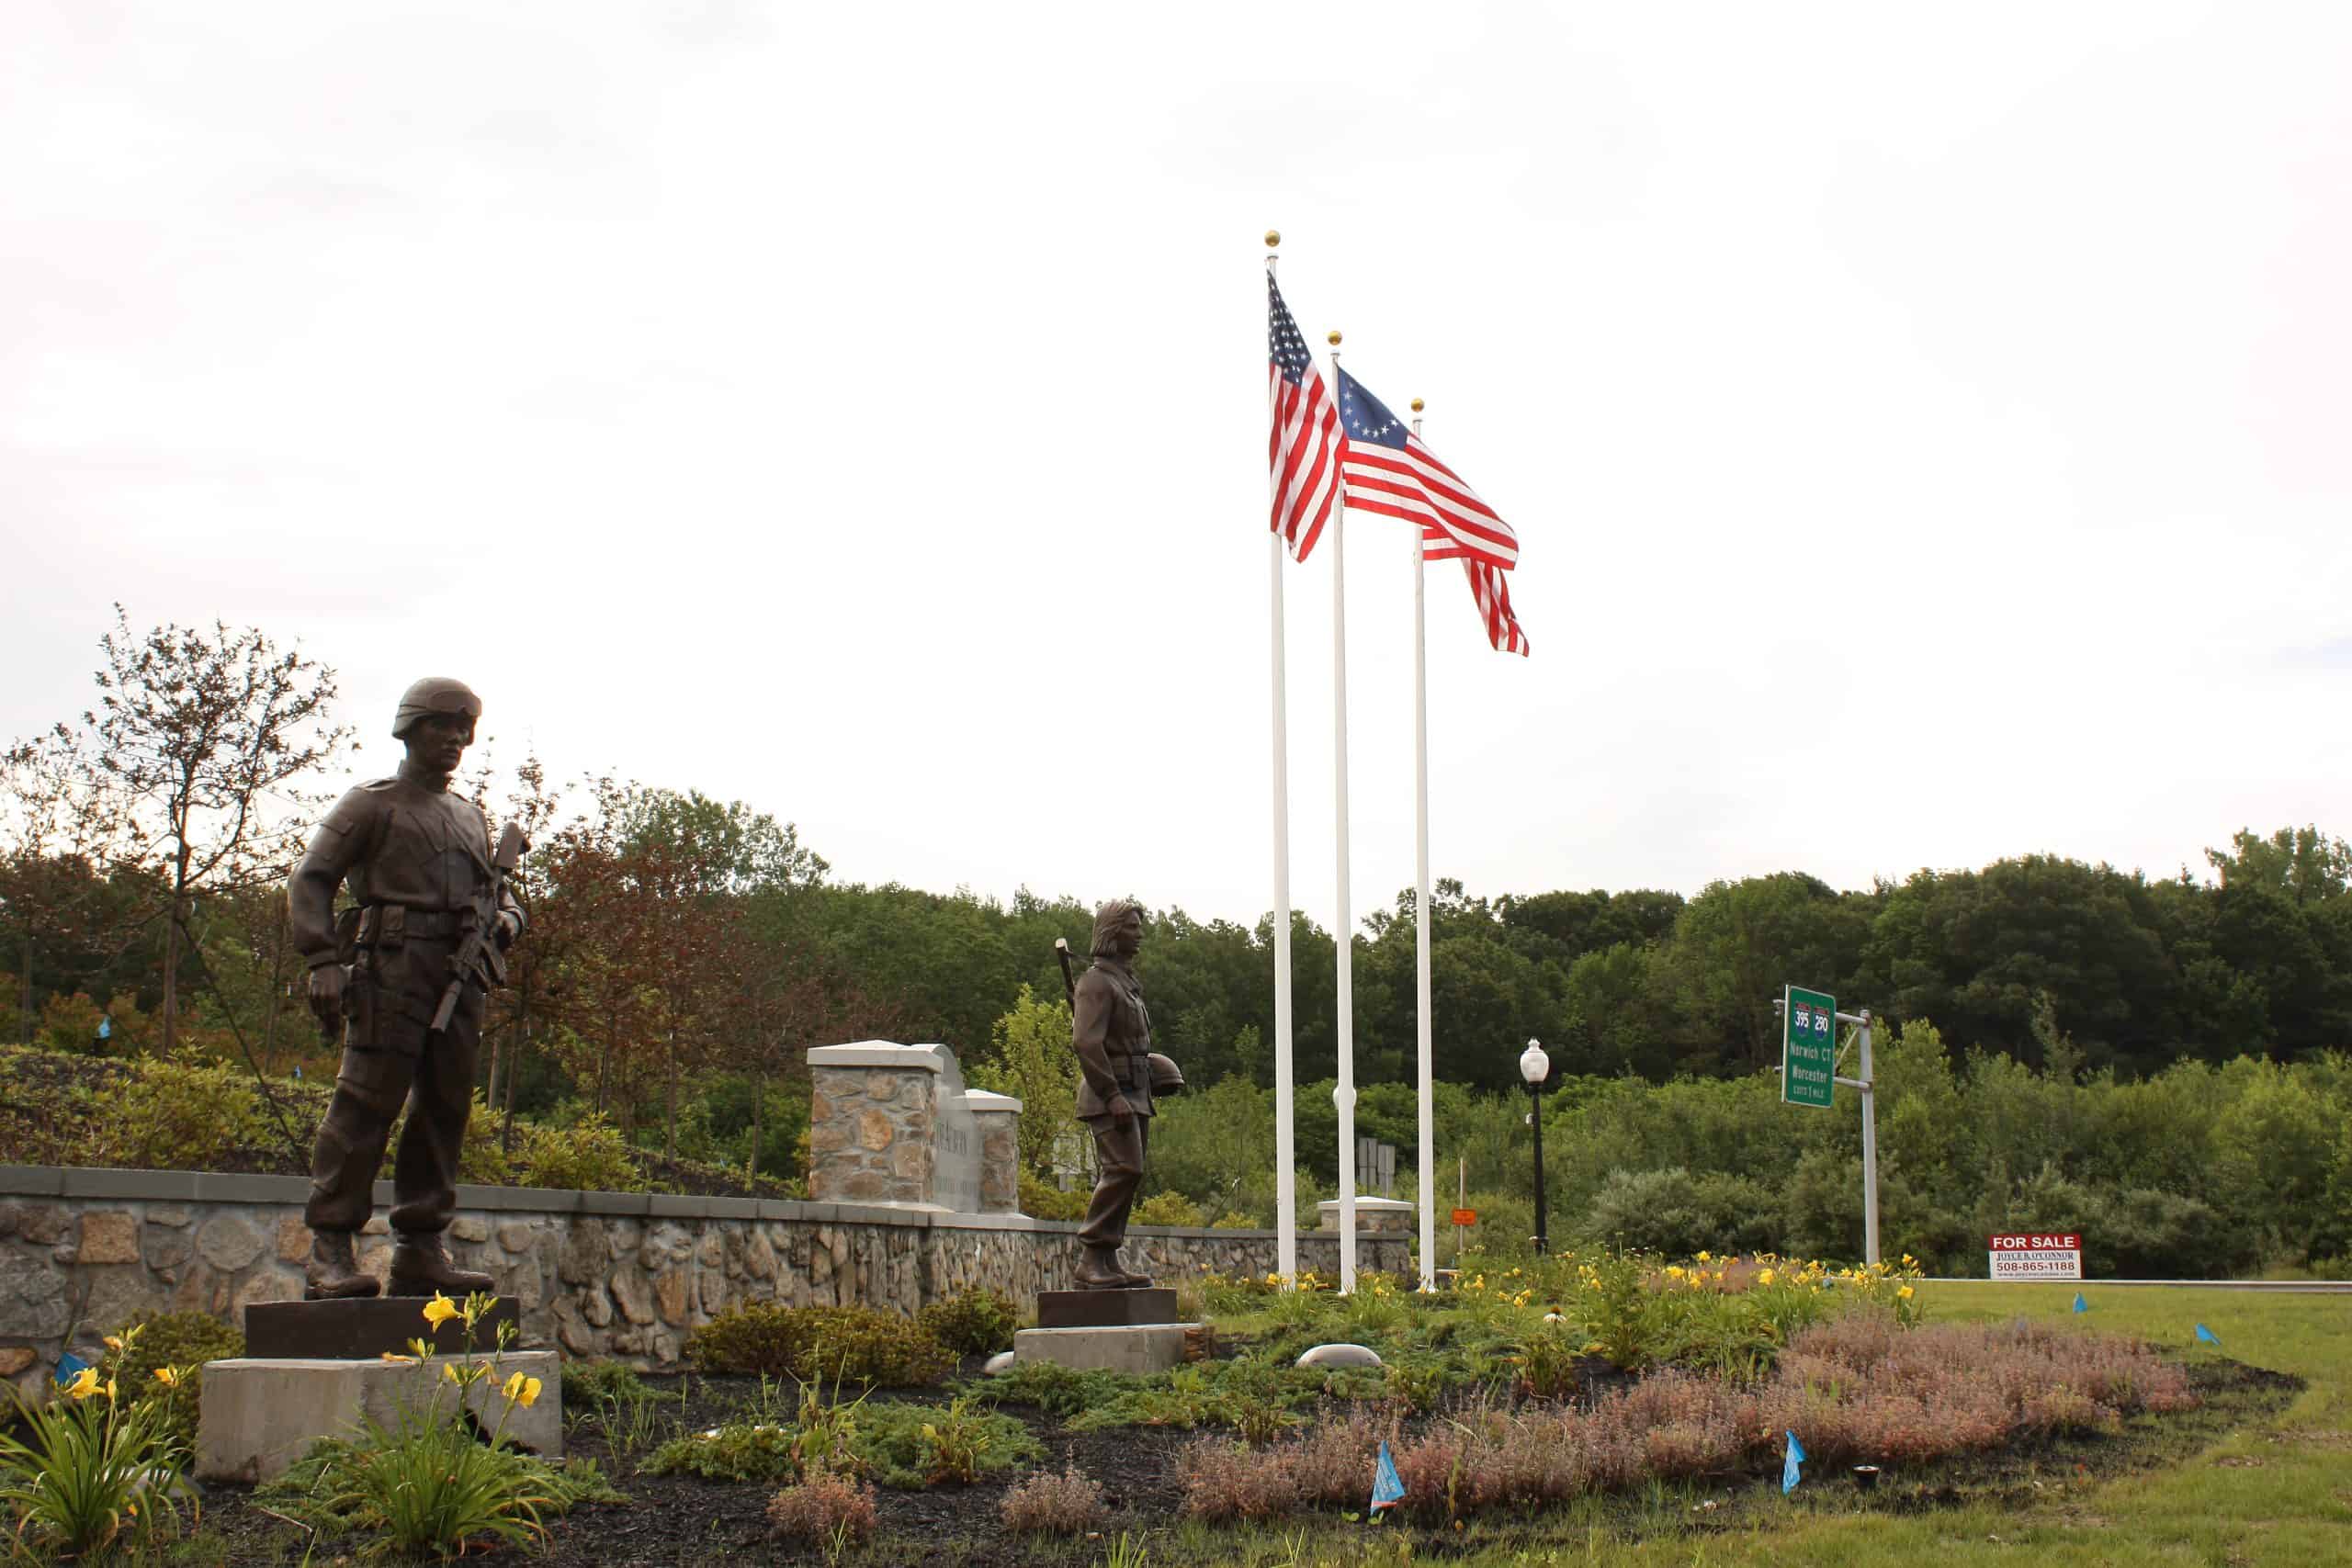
(681, 1520)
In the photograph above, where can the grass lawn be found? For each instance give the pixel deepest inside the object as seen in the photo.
(2279, 1492)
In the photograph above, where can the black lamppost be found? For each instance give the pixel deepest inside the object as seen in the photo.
(1536, 1067)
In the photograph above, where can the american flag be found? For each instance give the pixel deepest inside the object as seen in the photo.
(1302, 449)
(1388, 470)
(1492, 589)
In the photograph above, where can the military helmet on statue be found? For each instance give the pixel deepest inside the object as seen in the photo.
(435, 694)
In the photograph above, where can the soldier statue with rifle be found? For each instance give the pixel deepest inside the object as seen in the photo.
(1119, 1073)
(402, 977)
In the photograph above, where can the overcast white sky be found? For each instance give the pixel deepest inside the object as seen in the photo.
(1926, 427)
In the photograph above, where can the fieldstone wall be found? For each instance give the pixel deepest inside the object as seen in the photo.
(622, 1274)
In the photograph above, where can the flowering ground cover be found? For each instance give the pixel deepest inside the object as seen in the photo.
(1602, 1408)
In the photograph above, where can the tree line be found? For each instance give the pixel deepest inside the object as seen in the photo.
(685, 951)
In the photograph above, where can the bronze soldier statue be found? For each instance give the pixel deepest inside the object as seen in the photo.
(1112, 1034)
(421, 870)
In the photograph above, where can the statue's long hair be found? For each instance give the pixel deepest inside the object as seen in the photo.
(1106, 921)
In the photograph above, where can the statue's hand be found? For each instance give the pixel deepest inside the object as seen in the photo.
(326, 995)
(1121, 1111)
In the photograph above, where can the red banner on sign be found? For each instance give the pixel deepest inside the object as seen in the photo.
(2036, 1241)
(1465, 1216)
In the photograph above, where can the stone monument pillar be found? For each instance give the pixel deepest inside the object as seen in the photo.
(996, 1118)
(893, 1124)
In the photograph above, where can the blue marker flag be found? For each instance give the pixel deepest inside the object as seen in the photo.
(1788, 1466)
(2080, 1305)
(1387, 1487)
(2205, 1335)
(69, 1367)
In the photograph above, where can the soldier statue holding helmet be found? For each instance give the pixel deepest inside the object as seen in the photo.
(402, 977)
(1119, 1074)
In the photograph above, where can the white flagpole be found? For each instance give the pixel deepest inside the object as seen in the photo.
(1428, 1114)
(1286, 1147)
(1343, 929)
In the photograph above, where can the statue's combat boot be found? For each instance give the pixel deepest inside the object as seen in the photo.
(421, 1265)
(332, 1274)
(1101, 1271)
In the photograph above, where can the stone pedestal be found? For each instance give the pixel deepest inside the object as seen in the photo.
(1119, 1331)
(365, 1329)
(259, 1416)
(1139, 1347)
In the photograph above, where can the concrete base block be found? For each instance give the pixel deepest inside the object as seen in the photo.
(1136, 1347)
(259, 1416)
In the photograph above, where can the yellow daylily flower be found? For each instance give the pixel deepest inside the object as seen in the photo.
(440, 1309)
(1764, 1276)
(84, 1383)
(1904, 1293)
(522, 1391)
(1702, 1256)
(109, 1390)
(396, 1359)
(168, 1376)
(449, 1370)
(114, 1341)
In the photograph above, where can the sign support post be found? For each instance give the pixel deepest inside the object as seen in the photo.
(1809, 1074)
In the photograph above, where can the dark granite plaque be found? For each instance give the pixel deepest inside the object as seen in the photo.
(1105, 1309)
(363, 1329)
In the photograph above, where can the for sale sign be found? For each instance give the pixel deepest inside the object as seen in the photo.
(2037, 1254)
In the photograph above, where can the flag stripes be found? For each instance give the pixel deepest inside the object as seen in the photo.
(1412, 485)
(1303, 433)
(1491, 590)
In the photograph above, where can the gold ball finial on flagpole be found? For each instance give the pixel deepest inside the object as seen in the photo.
(1417, 405)
(1334, 337)
(1274, 238)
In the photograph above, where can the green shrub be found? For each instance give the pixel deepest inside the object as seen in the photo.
(910, 1447)
(588, 1157)
(740, 1450)
(1043, 1200)
(977, 1322)
(2145, 1234)
(177, 1116)
(1253, 1395)
(1548, 1360)
(1677, 1214)
(587, 1382)
(1058, 1390)
(814, 1344)
(181, 1340)
(1168, 1209)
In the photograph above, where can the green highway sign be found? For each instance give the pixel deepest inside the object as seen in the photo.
(1808, 1047)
